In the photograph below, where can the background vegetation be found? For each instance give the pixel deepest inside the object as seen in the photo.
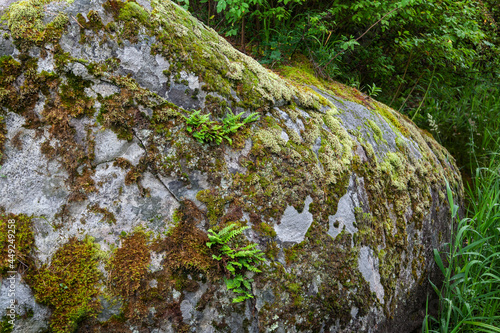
(438, 62)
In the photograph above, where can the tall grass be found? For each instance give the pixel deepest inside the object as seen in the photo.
(469, 299)
(467, 117)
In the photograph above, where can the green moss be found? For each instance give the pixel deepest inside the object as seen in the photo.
(16, 241)
(391, 116)
(69, 285)
(376, 131)
(7, 324)
(215, 204)
(302, 72)
(133, 10)
(267, 230)
(26, 23)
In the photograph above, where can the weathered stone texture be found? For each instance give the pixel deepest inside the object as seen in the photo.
(345, 196)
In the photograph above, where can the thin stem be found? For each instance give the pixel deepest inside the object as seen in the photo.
(425, 95)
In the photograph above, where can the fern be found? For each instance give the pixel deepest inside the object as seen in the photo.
(237, 260)
(205, 130)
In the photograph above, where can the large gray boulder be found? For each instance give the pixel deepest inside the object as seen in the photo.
(112, 196)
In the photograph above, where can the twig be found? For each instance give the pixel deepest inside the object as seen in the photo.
(81, 26)
(425, 95)
(404, 75)
(411, 91)
(48, 11)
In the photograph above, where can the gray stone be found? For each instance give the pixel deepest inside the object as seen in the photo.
(344, 158)
(368, 266)
(110, 308)
(294, 225)
(344, 217)
(186, 309)
(13, 288)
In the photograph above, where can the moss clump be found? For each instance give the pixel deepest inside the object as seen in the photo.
(265, 229)
(10, 69)
(107, 216)
(392, 117)
(69, 284)
(301, 71)
(26, 22)
(185, 247)
(377, 132)
(15, 234)
(128, 265)
(129, 17)
(215, 204)
(133, 10)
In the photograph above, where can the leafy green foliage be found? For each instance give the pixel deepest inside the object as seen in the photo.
(208, 131)
(465, 118)
(237, 260)
(398, 45)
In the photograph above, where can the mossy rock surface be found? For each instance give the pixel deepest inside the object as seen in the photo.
(346, 197)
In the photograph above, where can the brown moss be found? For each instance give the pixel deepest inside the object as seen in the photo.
(107, 216)
(128, 265)
(185, 247)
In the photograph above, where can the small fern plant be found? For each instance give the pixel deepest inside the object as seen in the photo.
(205, 130)
(236, 260)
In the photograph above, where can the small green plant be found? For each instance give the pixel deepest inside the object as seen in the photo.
(207, 131)
(373, 90)
(237, 260)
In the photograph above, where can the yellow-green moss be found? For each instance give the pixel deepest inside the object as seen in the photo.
(215, 204)
(133, 10)
(16, 235)
(376, 131)
(69, 284)
(25, 20)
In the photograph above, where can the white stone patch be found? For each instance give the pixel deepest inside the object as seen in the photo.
(155, 262)
(284, 136)
(40, 105)
(294, 225)
(80, 70)
(345, 212)
(145, 4)
(131, 58)
(25, 300)
(31, 184)
(104, 89)
(46, 64)
(162, 65)
(369, 267)
(193, 81)
(232, 158)
(108, 147)
(186, 309)
(289, 123)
